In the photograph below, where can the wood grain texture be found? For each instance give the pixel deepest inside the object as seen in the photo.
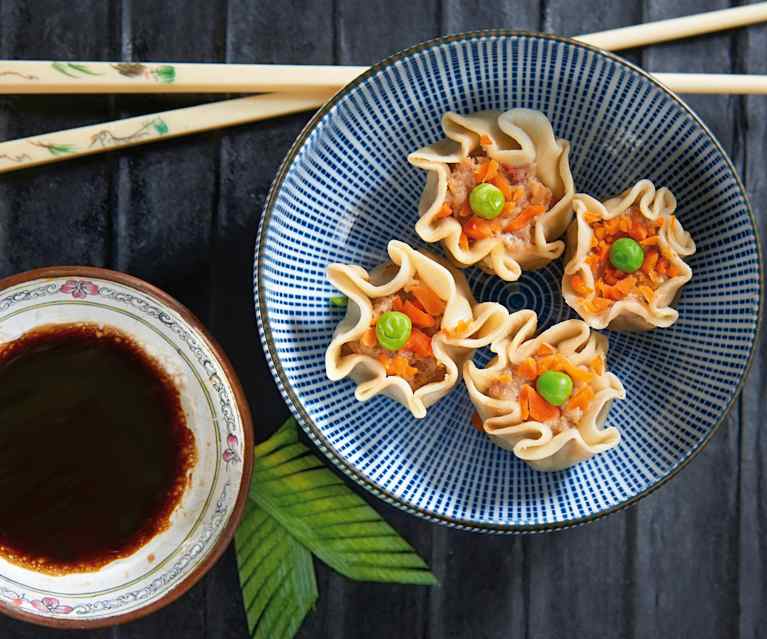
(751, 129)
(689, 561)
(686, 535)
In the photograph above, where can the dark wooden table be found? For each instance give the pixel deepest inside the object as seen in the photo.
(689, 561)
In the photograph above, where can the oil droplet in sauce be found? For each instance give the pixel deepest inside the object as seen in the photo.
(95, 451)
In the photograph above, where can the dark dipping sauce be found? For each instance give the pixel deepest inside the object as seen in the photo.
(95, 451)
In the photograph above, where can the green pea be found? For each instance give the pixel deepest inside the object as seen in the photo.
(554, 387)
(393, 330)
(626, 255)
(339, 300)
(486, 201)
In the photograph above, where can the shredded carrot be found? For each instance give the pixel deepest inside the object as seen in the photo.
(672, 270)
(579, 285)
(369, 338)
(480, 171)
(431, 302)
(621, 288)
(445, 211)
(399, 366)
(545, 349)
(499, 180)
(419, 343)
(417, 316)
(463, 242)
(566, 366)
(491, 172)
(527, 368)
(590, 217)
(597, 304)
(527, 214)
(660, 222)
(546, 363)
(478, 228)
(650, 241)
(508, 209)
(540, 409)
(638, 231)
(524, 404)
(597, 364)
(661, 266)
(485, 140)
(646, 292)
(581, 398)
(458, 330)
(396, 304)
(650, 260)
(624, 224)
(476, 421)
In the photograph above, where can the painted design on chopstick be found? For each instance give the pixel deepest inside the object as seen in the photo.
(19, 74)
(22, 157)
(73, 69)
(105, 137)
(56, 149)
(163, 73)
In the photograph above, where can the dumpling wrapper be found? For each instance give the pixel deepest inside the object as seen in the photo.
(519, 137)
(532, 441)
(483, 323)
(629, 314)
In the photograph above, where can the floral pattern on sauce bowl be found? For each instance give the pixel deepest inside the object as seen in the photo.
(346, 189)
(205, 517)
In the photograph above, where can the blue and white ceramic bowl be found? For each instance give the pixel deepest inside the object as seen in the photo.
(345, 189)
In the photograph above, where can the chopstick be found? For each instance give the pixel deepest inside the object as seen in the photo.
(87, 140)
(300, 91)
(24, 76)
(71, 143)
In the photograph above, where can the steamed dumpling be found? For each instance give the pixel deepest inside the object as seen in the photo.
(514, 415)
(446, 325)
(606, 297)
(525, 174)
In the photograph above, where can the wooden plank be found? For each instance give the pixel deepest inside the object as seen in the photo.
(365, 33)
(685, 536)
(249, 159)
(483, 591)
(56, 215)
(458, 16)
(166, 195)
(165, 204)
(576, 580)
(751, 130)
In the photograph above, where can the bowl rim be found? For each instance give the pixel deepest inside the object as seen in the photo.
(241, 403)
(297, 408)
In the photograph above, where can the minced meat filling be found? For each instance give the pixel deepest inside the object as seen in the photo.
(415, 361)
(518, 384)
(611, 284)
(526, 197)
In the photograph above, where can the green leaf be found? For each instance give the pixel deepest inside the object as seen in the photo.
(327, 517)
(276, 576)
(339, 300)
(82, 68)
(62, 68)
(165, 74)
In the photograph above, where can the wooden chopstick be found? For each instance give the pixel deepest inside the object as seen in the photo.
(87, 140)
(17, 76)
(323, 81)
(71, 143)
